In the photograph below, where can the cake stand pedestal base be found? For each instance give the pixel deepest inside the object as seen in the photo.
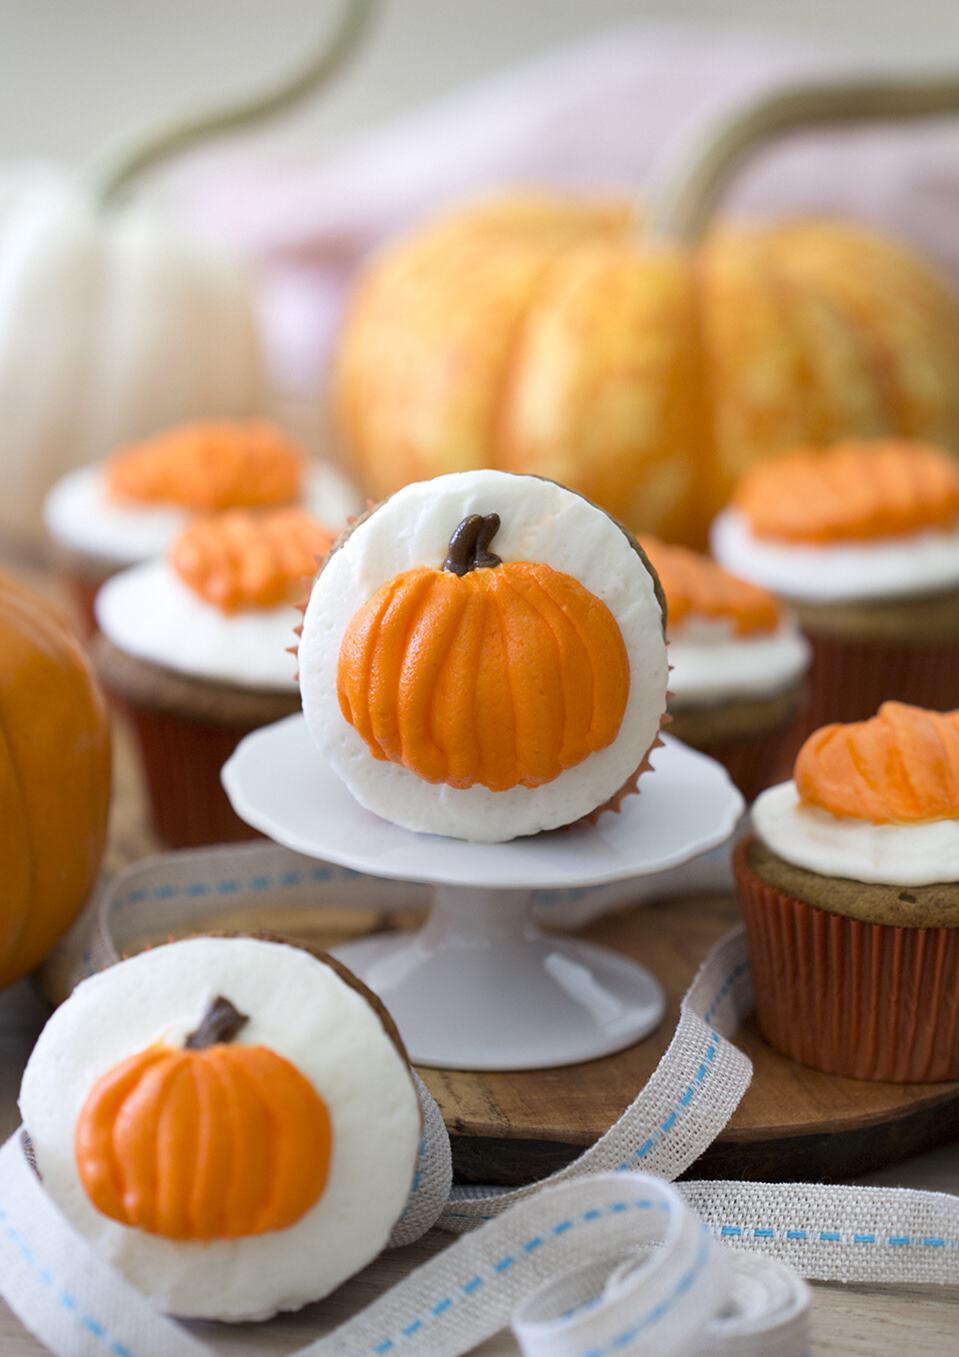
(480, 987)
(510, 996)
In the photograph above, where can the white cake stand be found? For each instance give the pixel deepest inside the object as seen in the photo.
(479, 987)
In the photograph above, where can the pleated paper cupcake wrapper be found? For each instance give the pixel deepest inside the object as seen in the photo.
(850, 679)
(753, 762)
(568, 1261)
(866, 1000)
(181, 761)
(82, 578)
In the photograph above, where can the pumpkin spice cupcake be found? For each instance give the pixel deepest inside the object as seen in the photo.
(850, 894)
(863, 540)
(737, 661)
(231, 1122)
(483, 656)
(193, 648)
(129, 508)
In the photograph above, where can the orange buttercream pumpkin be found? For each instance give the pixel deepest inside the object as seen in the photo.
(54, 778)
(695, 586)
(214, 1141)
(900, 766)
(851, 492)
(246, 559)
(484, 672)
(210, 465)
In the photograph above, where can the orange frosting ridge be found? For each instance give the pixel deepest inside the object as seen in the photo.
(503, 677)
(204, 1144)
(248, 559)
(210, 465)
(901, 766)
(695, 586)
(851, 492)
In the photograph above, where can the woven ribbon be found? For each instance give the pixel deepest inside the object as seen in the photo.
(605, 1259)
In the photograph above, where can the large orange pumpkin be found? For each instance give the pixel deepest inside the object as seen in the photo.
(637, 365)
(54, 778)
(214, 1141)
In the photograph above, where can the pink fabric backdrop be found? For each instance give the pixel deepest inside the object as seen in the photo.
(594, 116)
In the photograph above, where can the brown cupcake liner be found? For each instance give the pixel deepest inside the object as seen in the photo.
(82, 575)
(850, 678)
(181, 761)
(871, 1001)
(753, 762)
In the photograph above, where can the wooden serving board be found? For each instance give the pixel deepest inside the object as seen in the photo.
(793, 1123)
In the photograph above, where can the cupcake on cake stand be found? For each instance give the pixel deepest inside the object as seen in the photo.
(480, 986)
(483, 672)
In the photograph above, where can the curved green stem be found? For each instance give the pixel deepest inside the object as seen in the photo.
(114, 176)
(686, 199)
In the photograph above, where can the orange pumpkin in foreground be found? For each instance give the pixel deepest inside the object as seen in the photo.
(547, 336)
(54, 778)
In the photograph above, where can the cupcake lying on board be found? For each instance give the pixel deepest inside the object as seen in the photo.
(231, 1122)
(850, 893)
(737, 662)
(483, 656)
(194, 649)
(130, 508)
(863, 540)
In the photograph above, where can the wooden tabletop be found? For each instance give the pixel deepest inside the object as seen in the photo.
(874, 1321)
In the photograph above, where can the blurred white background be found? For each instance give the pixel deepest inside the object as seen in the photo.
(73, 72)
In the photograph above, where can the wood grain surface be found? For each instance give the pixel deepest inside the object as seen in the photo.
(793, 1122)
(864, 1321)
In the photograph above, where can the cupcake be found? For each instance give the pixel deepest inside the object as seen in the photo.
(231, 1122)
(483, 656)
(863, 540)
(103, 518)
(850, 893)
(193, 649)
(737, 661)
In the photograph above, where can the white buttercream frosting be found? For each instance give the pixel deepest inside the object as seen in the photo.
(300, 1009)
(149, 612)
(921, 854)
(842, 571)
(710, 662)
(540, 521)
(80, 514)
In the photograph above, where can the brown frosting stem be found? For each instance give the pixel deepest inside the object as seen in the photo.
(469, 544)
(221, 1023)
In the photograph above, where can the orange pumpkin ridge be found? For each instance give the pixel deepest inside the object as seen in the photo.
(452, 673)
(214, 1141)
(54, 778)
(901, 766)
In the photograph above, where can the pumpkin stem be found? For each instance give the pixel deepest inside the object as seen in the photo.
(221, 1022)
(469, 545)
(113, 177)
(684, 195)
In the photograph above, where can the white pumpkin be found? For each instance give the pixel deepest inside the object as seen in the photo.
(111, 326)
